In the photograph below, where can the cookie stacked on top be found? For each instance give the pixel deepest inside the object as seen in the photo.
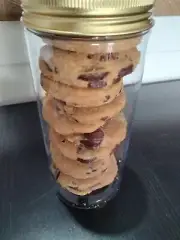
(83, 108)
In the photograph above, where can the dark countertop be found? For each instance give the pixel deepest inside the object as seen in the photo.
(148, 205)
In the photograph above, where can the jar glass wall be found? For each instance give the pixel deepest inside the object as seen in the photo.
(86, 93)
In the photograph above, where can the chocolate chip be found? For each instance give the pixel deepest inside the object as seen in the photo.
(86, 161)
(56, 70)
(97, 84)
(113, 56)
(89, 145)
(63, 141)
(108, 57)
(57, 174)
(96, 135)
(122, 73)
(51, 68)
(48, 67)
(104, 57)
(93, 140)
(59, 101)
(80, 148)
(125, 71)
(90, 56)
(107, 98)
(116, 80)
(93, 76)
(68, 51)
(95, 79)
(57, 106)
(104, 118)
(94, 170)
(104, 170)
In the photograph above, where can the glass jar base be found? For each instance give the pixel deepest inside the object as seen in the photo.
(96, 199)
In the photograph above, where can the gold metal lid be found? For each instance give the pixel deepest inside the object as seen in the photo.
(88, 17)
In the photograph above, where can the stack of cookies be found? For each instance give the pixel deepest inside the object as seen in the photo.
(83, 108)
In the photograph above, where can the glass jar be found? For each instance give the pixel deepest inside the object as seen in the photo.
(86, 87)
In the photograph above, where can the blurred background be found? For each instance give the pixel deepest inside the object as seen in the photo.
(167, 7)
(10, 10)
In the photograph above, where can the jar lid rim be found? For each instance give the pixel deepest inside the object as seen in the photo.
(88, 17)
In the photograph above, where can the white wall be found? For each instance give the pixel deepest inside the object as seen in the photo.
(15, 73)
(163, 53)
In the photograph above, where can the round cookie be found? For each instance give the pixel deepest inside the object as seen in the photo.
(92, 78)
(87, 70)
(79, 97)
(103, 67)
(71, 151)
(94, 46)
(78, 169)
(94, 114)
(97, 144)
(86, 186)
(61, 123)
(112, 133)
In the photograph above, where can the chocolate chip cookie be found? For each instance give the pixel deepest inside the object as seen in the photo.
(87, 70)
(112, 132)
(61, 123)
(93, 114)
(95, 145)
(74, 152)
(79, 97)
(78, 169)
(86, 186)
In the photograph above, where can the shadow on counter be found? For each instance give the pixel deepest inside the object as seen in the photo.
(125, 212)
